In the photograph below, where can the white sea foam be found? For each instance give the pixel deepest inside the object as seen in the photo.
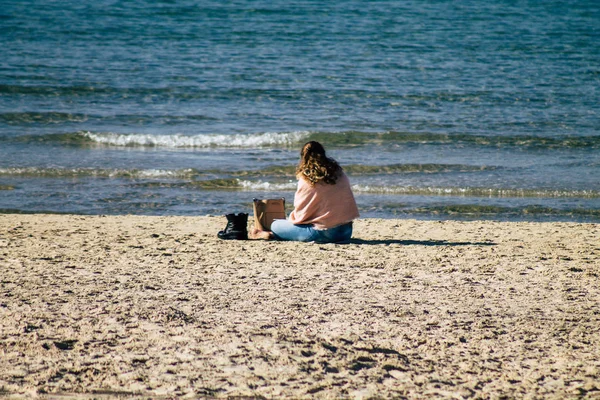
(266, 139)
(165, 173)
(474, 192)
(93, 172)
(268, 186)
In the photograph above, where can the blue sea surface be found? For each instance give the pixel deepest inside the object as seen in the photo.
(436, 110)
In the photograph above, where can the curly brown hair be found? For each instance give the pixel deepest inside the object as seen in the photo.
(315, 166)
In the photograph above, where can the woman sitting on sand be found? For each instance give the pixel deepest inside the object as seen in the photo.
(324, 206)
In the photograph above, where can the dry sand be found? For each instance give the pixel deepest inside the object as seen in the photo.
(160, 307)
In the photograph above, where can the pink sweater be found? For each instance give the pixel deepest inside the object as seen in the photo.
(323, 205)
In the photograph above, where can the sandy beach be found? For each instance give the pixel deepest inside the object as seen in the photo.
(94, 306)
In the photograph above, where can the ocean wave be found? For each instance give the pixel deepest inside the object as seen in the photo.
(235, 181)
(269, 186)
(232, 184)
(261, 185)
(267, 139)
(129, 140)
(239, 184)
(346, 139)
(287, 171)
(358, 138)
(98, 173)
(361, 170)
(475, 192)
(491, 211)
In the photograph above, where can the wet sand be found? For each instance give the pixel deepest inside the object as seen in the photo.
(160, 307)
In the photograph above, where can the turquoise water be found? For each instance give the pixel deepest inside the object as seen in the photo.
(441, 109)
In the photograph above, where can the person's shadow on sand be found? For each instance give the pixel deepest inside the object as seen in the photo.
(420, 242)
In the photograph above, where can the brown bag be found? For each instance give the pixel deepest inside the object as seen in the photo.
(267, 210)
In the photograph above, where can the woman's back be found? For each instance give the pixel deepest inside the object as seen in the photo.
(324, 205)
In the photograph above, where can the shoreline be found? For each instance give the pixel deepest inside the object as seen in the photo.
(159, 306)
(432, 217)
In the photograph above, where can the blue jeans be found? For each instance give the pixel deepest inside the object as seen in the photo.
(284, 230)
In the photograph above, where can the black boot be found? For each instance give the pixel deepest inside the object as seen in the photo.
(236, 229)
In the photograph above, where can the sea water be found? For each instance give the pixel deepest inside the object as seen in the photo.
(435, 109)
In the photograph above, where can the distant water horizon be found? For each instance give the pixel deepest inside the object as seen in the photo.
(435, 110)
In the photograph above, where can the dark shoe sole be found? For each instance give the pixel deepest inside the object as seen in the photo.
(233, 235)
